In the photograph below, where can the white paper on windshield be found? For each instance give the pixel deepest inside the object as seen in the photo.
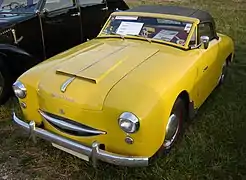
(132, 28)
(166, 35)
(127, 17)
(167, 21)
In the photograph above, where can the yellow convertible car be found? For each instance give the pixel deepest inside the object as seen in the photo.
(124, 96)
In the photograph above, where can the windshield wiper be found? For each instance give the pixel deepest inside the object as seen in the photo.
(137, 35)
(120, 35)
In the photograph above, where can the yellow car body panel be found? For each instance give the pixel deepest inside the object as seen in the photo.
(123, 75)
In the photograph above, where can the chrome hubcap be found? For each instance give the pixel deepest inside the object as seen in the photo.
(222, 76)
(171, 130)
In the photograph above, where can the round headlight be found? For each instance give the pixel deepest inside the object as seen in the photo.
(19, 89)
(128, 122)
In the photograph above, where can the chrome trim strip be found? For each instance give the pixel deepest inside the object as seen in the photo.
(42, 33)
(66, 84)
(6, 31)
(94, 152)
(14, 35)
(69, 126)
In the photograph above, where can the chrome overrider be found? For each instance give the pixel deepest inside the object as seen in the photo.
(94, 152)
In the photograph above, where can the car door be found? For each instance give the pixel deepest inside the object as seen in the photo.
(62, 27)
(207, 63)
(94, 13)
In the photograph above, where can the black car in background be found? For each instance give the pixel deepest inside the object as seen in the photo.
(34, 30)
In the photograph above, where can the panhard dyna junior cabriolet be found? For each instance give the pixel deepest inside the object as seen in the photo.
(124, 96)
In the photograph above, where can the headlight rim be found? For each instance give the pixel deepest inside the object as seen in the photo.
(129, 117)
(18, 85)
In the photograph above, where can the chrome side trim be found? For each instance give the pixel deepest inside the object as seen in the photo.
(6, 31)
(94, 152)
(14, 35)
(42, 33)
(69, 126)
(16, 41)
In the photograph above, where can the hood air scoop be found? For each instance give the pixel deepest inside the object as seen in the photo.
(71, 67)
(88, 77)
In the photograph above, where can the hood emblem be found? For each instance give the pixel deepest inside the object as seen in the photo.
(62, 97)
(61, 111)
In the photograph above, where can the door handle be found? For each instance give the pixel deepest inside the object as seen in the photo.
(105, 8)
(75, 14)
(205, 68)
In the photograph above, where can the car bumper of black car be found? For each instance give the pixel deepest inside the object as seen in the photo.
(93, 152)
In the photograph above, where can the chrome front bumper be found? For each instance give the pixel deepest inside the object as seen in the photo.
(94, 152)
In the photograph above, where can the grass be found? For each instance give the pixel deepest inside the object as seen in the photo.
(213, 146)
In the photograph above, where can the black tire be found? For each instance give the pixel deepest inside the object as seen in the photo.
(5, 83)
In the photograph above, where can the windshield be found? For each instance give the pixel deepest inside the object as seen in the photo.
(18, 6)
(166, 30)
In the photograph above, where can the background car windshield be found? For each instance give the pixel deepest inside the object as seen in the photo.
(18, 5)
(149, 27)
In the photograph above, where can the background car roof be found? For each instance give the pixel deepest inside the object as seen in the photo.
(203, 16)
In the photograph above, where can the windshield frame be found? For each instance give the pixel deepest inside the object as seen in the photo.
(193, 21)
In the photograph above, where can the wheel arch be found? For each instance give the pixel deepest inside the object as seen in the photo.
(189, 104)
(185, 97)
(229, 58)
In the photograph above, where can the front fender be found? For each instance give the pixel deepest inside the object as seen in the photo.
(226, 47)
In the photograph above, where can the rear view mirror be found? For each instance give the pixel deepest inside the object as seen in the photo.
(204, 40)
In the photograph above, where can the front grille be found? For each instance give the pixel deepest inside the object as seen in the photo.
(69, 126)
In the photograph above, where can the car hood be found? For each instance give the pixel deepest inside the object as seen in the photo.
(90, 74)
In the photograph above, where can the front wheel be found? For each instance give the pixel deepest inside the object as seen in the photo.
(174, 126)
(223, 73)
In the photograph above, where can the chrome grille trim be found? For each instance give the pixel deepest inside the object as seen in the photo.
(6, 31)
(93, 151)
(63, 125)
